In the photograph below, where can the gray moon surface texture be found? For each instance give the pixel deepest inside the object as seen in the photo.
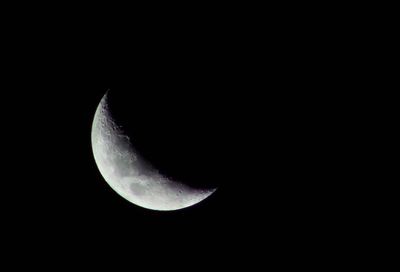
(132, 177)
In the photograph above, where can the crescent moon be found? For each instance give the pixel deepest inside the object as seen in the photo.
(130, 175)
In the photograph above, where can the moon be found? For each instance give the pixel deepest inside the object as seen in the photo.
(132, 176)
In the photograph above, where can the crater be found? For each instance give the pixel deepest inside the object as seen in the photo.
(138, 189)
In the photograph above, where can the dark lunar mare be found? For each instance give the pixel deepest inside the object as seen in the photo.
(179, 134)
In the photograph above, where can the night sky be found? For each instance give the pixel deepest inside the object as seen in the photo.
(256, 141)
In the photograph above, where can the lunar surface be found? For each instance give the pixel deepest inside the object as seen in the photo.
(130, 175)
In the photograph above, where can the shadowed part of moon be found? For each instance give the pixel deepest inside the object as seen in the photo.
(189, 131)
(130, 174)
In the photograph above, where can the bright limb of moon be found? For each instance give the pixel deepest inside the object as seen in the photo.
(130, 175)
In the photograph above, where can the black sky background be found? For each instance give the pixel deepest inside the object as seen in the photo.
(259, 99)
